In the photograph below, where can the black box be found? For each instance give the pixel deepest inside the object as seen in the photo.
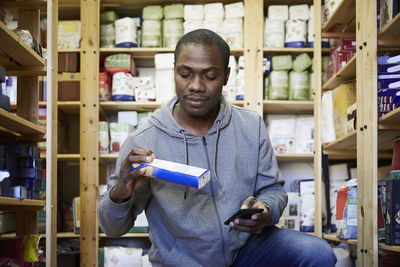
(30, 162)
(5, 102)
(21, 151)
(392, 218)
(2, 74)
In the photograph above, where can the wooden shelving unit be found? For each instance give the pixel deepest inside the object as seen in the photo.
(391, 30)
(343, 16)
(15, 204)
(391, 117)
(345, 74)
(348, 142)
(332, 237)
(20, 126)
(286, 106)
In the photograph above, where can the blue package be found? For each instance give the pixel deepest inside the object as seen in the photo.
(383, 60)
(295, 44)
(33, 173)
(240, 97)
(388, 69)
(324, 44)
(388, 100)
(123, 98)
(126, 45)
(389, 81)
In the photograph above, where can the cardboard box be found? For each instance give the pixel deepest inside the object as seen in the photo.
(68, 62)
(69, 91)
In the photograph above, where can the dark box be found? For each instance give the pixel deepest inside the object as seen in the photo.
(68, 62)
(68, 91)
(4, 102)
(392, 218)
(2, 74)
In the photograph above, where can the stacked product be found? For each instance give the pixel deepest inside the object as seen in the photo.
(164, 77)
(107, 29)
(388, 83)
(194, 17)
(214, 17)
(346, 211)
(289, 86)
(151, 26)
(310, 36)
(172, 24)
(343, 50)
(229, 90)
(25, 174)
(233, 24)
(126, 31)
(69, 34)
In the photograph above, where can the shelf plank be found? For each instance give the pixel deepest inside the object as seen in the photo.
(332, 237)
(343, 16)
(75, 50)
(108, 158)
(16, 204)
(68, 76)
(17, 49)
(149, 52)
(19, 125)
(68, 157)
(389, 248)
(286, 106)
(292, 50)
(69, 107)
(391, 30)
(126, 235)
(345, 74)
(347, 142)
(293, 157)
(391, 117)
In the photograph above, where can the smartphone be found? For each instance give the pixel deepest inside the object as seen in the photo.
(244, 214)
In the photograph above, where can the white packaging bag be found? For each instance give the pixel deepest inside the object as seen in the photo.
(104, 139)
(215, 25)
(296, 31)
(274, 33)
(278, 12)
(299, 12)
(234, 10)
(327, 123)
(164, 61)
(191, 25)
(214, 11)
(126, 32)
(193, 12)
(282, 132)
(165, 84)
(233, 32)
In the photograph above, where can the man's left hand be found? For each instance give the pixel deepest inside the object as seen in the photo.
(258, 221)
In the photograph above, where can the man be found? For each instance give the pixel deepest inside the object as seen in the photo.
(199, 128)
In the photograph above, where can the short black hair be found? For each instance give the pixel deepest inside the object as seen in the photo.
(204, 37)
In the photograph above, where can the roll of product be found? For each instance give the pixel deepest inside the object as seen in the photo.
(151, 33)
(107, 35)
(172, 32)
(274, 33)
(278, 85)
(296, 33)
(126, 32)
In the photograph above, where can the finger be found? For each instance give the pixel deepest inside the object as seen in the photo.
(140, 159)
(141, 151)
(246, 228)
(248, 203)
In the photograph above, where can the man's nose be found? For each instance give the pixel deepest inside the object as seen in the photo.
(196, 84)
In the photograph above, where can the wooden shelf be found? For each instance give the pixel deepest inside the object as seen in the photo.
(389, 248)
(286, 106)
(147, 52)
(347, 142)
(295, 157)
(16, 204)
(68, 157)
(332, 237)
(343, 16)
(391, 117)
(19, 126)
(292, 50)
(345, 74)
(76, 50)
(108, 158)
(391, 30)
(127, 235)
(17, 50)
(69, 77)
(68, 107)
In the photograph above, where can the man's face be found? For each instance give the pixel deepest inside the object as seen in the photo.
(199, 77)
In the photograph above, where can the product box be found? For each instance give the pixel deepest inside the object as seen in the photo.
(69, 91)
(392, 223)
(176, 172)
(384, 60)
(388, 69)
(68, 62)
(69, 34)
(346, 212)
(343, 97)
(290, 218)
(344, 43)
(390, 81)
(104, 86)
(388, 100)
(388, 10)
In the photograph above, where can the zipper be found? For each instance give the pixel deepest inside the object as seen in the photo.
(213, 200)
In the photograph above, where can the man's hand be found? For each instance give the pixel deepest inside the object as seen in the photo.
(128, 179)
(257, 222)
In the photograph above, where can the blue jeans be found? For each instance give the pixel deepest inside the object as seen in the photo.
(285, 248)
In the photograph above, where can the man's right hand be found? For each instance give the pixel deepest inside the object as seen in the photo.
(128, 179)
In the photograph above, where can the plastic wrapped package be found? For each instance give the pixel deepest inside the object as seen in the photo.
(151, 33)
(25, 36)
(119, 63)
(119, 131)
(107, 35)
(327, 124)
(214, 11)
(233, 32)
(266, 93)
(144, 88)
(278, 12)
(126, 32)
(302, 62)
(330, 8)
(299, 12)
(104, 87)
(310, 36)
(164, 60)
(173, 11)
(152, 12)
(104, 139)
(164, 84)
(108, 17)
(234, 10)
(69, 34)
(305, 134)
(241, 62)
(191, 25)
(229, 90)
(282, 132)
(193, 12)
(299, 88)
(122, 87)
(283, 62)
(240, 84)
(296, 33)
(274, 33)
(6, 15)
(215, 25)
(278, 85)
(172, 32)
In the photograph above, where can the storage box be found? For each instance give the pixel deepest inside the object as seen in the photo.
(69, 91)
(68, 62)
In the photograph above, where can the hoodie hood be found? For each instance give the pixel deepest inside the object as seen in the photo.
(162, 118)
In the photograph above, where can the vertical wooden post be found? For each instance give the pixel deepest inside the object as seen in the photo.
(89, 118)
(317, 119)
(52, 119)
(367, 132)
(253, 54)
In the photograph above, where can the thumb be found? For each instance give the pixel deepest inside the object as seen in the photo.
(248, 203)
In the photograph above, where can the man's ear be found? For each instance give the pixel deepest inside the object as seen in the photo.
(226, 75)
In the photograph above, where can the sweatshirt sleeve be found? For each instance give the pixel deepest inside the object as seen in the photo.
(269, 184)
(116, 219)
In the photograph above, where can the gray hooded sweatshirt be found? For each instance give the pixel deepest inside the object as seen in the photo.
(187, 224)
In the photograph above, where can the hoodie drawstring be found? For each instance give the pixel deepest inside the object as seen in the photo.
(216, 155)
(186, 157)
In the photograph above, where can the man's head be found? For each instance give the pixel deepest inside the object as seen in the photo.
(206, 38)
(201, 70)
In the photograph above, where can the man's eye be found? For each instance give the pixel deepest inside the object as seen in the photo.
(184, 75)
(211, 78)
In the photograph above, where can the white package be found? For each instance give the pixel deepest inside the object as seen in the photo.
(299, 12)
(311, 11)
(193, 12)
(126, 31)
(214, 11)
(240, 84)
(234, 10)
(305, 134)
(233, 65)
(69, 34)
(129, 117)
(165, 84)
(229, 90)
(310, 35)
(122, 84)
(104, 139)
(143, 82)
(278, 12)
(241, 62)
(120, 256)
(274, 33)
(191, 25)
(327, 124)
(214, 25)
(164, 61)
(282, 132)
(145, 95)
(233, 32)
(296, 31)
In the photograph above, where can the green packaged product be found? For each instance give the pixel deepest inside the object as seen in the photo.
(282, 62)
(173, 11)
(151, 33)
(311, 83)
(302, 62)
(278, 85)
(299, 86)
(172, 32)
(107, 35)
(152, 12)
(108, 17)
(324, 63)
